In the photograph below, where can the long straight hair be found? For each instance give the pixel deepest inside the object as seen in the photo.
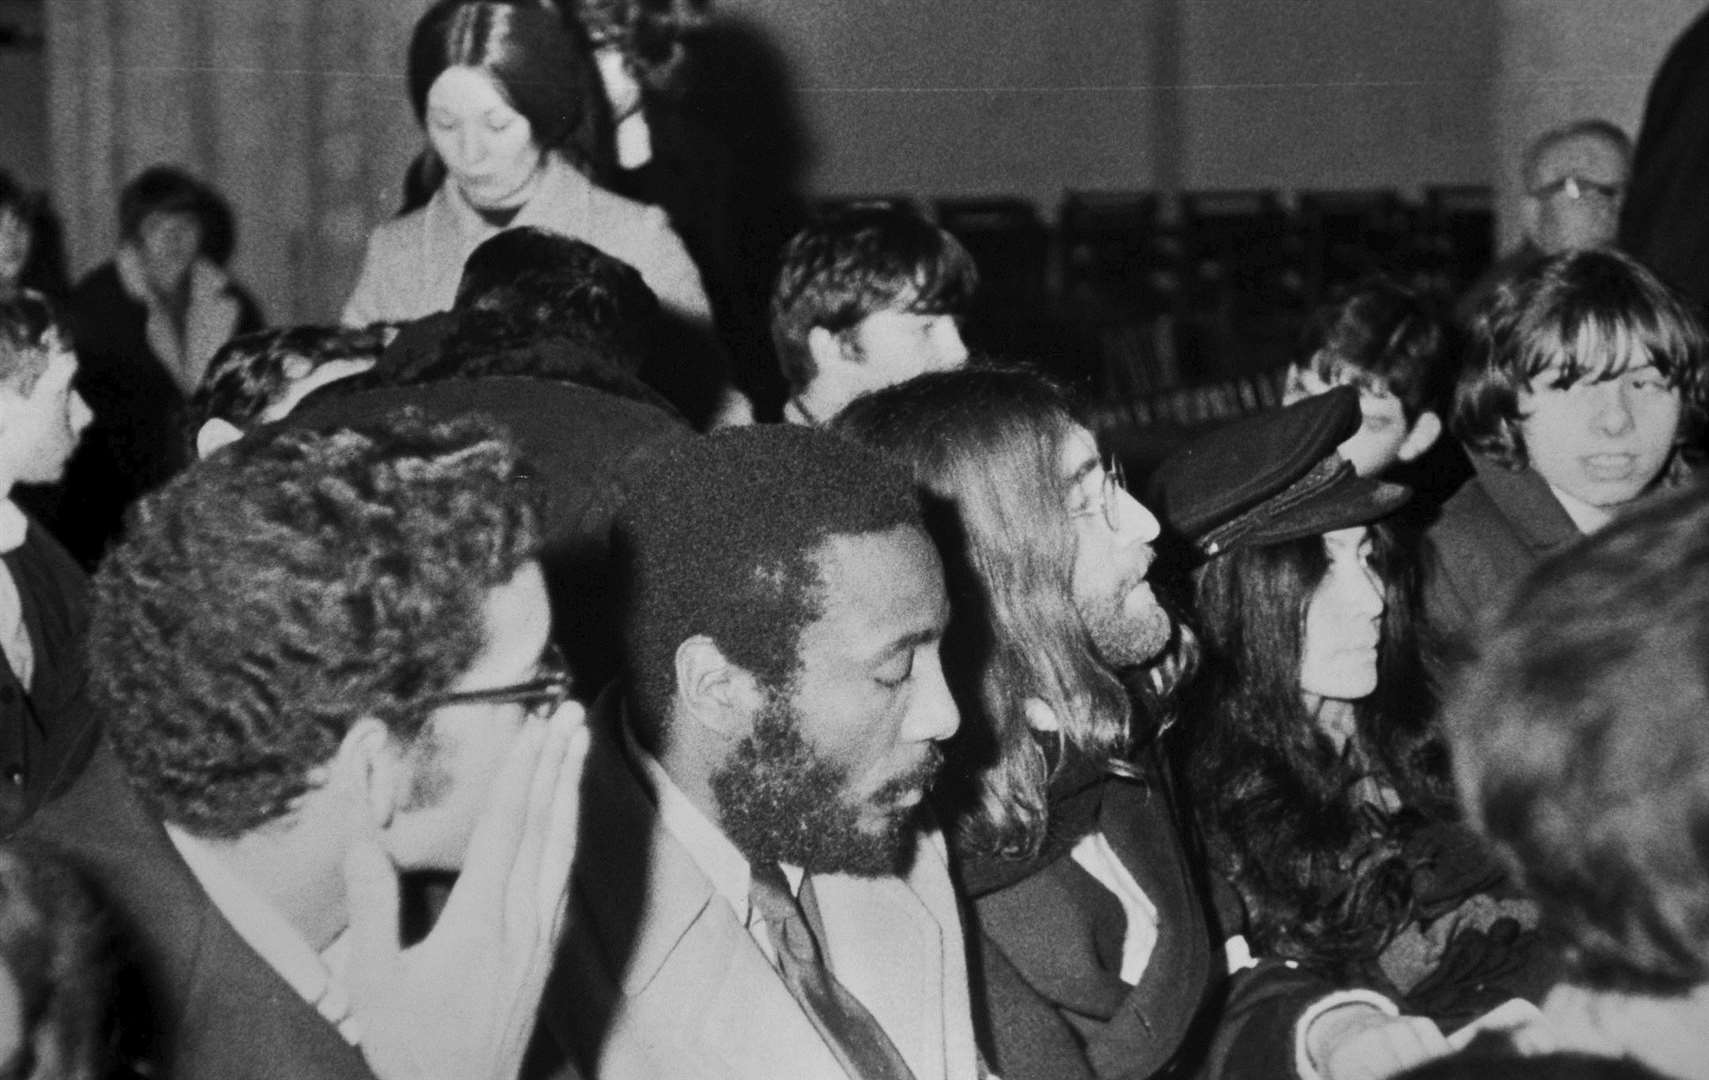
(1276, 797)
(986, 445)
(541, 63)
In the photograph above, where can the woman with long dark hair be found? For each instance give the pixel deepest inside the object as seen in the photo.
(512, 107)
(1315, 764)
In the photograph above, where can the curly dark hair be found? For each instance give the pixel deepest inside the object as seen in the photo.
(721, 537)
(1323, 873)
(287, 586)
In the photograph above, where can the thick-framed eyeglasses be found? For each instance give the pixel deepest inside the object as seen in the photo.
(539, 697)
(1109, 501)
(1579, 187)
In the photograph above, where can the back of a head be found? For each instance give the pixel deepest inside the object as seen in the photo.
(1581, 315)
(1580, 744)
(1384, 337)
(543, 283)
(720, 537)
(288, 585)
(855, 262)
(253, 373)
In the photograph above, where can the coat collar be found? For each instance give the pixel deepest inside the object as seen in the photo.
(1524, 498)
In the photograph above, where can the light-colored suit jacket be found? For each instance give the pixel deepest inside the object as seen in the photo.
(658, 978)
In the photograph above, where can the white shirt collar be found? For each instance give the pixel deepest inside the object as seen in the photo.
(273, 938)
(720, 860)
(1588, 518)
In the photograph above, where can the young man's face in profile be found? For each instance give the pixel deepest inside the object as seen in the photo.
(894, 345)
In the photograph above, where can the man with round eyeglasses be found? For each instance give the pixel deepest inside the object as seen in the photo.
(1091, 952)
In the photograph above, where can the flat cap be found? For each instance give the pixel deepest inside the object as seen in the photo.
(1272, 477)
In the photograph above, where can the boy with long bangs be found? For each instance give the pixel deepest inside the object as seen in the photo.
(1584, 389)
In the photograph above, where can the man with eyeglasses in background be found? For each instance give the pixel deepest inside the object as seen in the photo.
(1575, 180)
(1092, 952)
(323, 660)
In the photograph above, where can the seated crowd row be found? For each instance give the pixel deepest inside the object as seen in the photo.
(463, 712)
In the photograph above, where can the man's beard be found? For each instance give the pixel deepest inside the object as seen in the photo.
(780, 801)
(1123, 638)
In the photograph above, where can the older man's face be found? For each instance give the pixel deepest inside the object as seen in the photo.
(1575, 194)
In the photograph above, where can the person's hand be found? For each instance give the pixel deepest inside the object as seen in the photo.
(1361, 1042)
(461, 1004)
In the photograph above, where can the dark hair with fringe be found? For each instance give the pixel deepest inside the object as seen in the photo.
(287, 586)
(163, 189)
(26, 319)
(1582, 315)
(56, 945)
(857, 262)
(985, 443)
(1381, 336)
(539, 60)
(1322, 873)
(1580, 745)
(722, 536)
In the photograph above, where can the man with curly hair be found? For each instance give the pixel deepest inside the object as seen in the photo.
(322, 657)
(762, 895)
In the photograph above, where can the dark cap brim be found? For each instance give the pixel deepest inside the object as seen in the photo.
(1347, 501)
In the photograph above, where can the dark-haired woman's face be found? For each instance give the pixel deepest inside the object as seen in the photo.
(1343, 622)
(487, 146)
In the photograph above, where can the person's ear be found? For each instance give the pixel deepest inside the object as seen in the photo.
(215, 434)
(1425, 431)
(369, 764)
(714, 692)
(826, 349)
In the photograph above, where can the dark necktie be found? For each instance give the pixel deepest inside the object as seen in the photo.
(859, 1044)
